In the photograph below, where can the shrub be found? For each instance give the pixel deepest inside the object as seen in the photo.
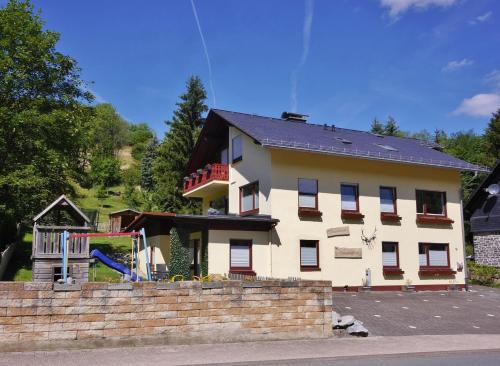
(179, 253)
(483, 274)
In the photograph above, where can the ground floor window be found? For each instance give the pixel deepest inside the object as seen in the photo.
(433, 255)
(309, 255)
(240, 256)
(390, 257)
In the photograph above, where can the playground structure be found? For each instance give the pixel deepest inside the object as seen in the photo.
(61, 245)
(60, 216)
(131, 273)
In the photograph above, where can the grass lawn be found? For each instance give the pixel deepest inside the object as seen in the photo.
(87, 199)
(19, 268)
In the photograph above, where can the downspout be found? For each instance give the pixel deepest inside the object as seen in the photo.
(270, 239)
(465, 267)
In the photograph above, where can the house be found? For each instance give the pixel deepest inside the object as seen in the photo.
(48, 226)
(483, 211)
(119, 220)
(283, 197)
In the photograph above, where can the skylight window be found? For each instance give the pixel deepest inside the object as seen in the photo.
(344, 141)
(386, 147)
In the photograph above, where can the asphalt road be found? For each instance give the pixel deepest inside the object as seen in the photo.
(432, 312)
(491, 358)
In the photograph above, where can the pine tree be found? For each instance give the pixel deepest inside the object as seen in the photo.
(147, 182)
(176, 148)
(492, 137)
(391, 127)
(377, 127)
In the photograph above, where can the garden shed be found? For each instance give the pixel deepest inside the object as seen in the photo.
(48, 226)
(119, 220)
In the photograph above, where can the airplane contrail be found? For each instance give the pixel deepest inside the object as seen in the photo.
(306, 37)
(210, 82)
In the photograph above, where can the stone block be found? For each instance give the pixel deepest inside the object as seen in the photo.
(34, 336)
(68, 334)
(120, 286)
(37, 286)
(67, 287)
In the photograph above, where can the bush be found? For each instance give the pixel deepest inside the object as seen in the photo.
(179, 253)
(483, 274)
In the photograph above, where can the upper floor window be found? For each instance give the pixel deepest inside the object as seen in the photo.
(431, 203)
(249, 199)
(308, 193)
(237, 148)
(433, 255)
(350, 197)
(388, 200)
(309, 255)
(223, 156)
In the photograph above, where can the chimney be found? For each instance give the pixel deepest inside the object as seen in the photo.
(295, 117)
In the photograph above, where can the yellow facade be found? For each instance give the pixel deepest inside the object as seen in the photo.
(277, 253)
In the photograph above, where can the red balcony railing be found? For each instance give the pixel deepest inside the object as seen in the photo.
(202, 176)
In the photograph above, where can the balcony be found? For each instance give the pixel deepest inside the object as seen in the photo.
(211, 180)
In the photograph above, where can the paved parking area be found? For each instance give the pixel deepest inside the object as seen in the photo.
(400, 313)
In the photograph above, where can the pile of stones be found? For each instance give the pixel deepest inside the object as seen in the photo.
(349, 324)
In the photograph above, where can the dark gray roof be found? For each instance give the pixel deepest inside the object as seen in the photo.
(280, 133)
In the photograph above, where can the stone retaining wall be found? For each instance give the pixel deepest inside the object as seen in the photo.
(487, 248)
(175, 312)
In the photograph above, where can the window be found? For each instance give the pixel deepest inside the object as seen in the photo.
(223, 156)
(218, 206)
(308, 193)
(390, 256)
(349, 193)
(431, 203)
(237, 149)
(433, 255)
(386, 147)
(240, 256)
(388, 200)
(249, 198)
(57, 273)
(309, 255)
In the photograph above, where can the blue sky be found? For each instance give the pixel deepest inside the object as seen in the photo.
(429, 63)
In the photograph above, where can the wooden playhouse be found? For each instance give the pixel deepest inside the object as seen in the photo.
(48, 226)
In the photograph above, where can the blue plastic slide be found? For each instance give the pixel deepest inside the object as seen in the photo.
(96, 253)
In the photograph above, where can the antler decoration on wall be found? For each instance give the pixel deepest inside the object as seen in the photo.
(369, 240)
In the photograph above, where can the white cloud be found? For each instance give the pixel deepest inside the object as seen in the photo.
(398, 7)
(457, 65)
(484, 17)
(481, 18)
(306, 39)
(494, 78)
(480, 105)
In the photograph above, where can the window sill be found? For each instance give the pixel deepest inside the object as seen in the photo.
(310, 269)
(245, 272)
(392, 217)
(352, 215)
(428, 219)
(435, 272)
(309, 212)
(388, 271)
(249, 213)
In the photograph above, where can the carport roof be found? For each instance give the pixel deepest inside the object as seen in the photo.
(162, 222)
